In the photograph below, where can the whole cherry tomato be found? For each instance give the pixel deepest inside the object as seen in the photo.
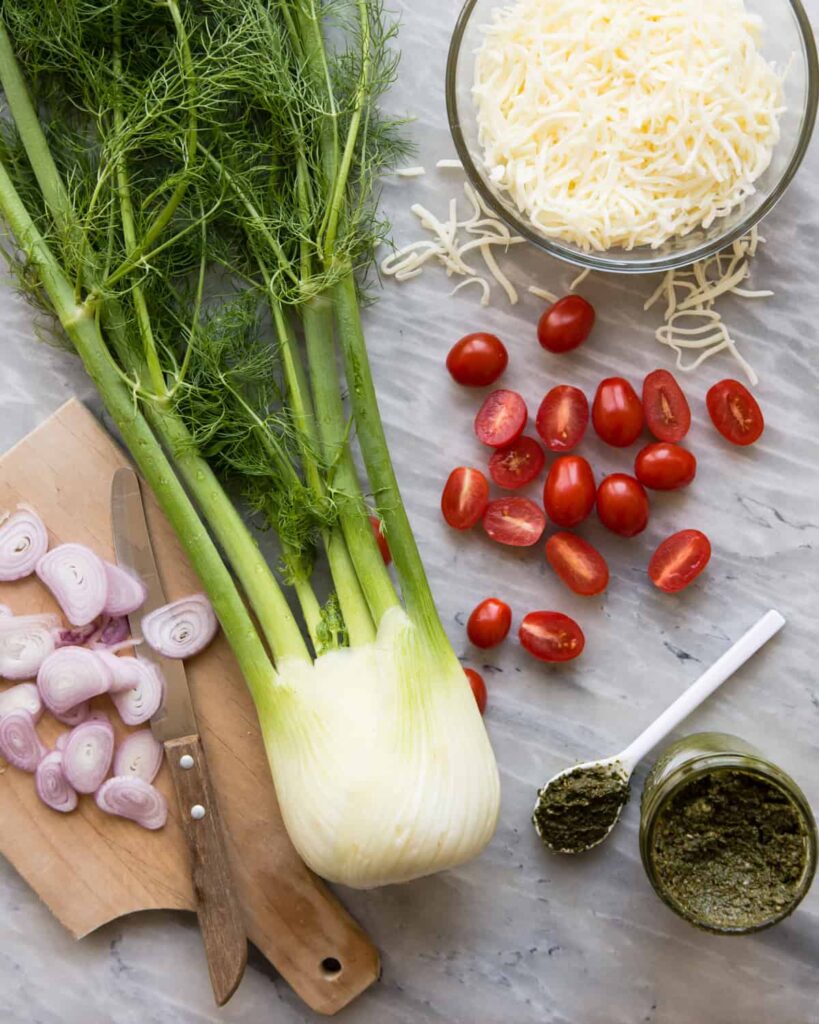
(478, 688)
(617, 412)
(569, 492)
(622, 505)
(566, 325)
(551, 636)
(735, 412)
(501, 418)
(477, 360)
(665, 467)
(517, 522)
(581, 567)
(381, 540)
(489, 623)
(666, 408)
(562, 418)
(679, 560)
(518, 464)
(465, 497)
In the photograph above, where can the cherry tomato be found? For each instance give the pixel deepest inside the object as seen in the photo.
(517, 522)
(617, 412)
(566, 324)
(665, 406)
(381, 540)
(478, 688)
(465, 497)
(562, 418)
(581, 567)
(551, 636)
(477, 360)
(489, 623)
(622, 505)
(501, 418)
(679, 560)
(665, 467)
(569, 492)
(735, 412)
(517, 464)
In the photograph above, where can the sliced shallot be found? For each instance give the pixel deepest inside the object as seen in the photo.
(70, 676)
(74, 636)
(128, 796)
(137, 704)
(181, 629)
(111, 633)
(25, 642)
(126, 593)
(139, 755)
(88, 753)
(61, 740)
(77, 579)
(19, 742)
(24, 695)
(74, 716)
(23, 542)
(53, 788)
(126, 673)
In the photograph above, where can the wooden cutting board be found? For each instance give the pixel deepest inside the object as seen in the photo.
(90, 868)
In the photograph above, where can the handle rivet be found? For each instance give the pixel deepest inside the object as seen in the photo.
(186, 761)
(197, 812)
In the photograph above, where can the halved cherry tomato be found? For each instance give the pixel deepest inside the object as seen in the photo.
(551, 636)
(489, 623)
(668, 414)
(581, 567)
(501, 418)
(665, 467)
(622, 505)
(617, 412)
(566, 324)
(477, 360)
(735, 412)
(517, 522)
(679, 560)
(562, 418)
(569, 492)
(465, 497)
(381, 540)
(478, 688)
(517, 464)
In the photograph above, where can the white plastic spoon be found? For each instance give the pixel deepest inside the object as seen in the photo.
(621, 766)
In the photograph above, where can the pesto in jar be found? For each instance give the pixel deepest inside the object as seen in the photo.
(576, 811)
(730, 849)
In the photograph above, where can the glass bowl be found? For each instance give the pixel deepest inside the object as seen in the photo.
(787, 40)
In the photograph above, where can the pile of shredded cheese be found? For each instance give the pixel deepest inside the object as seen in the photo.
(691, 323)
(623, 123)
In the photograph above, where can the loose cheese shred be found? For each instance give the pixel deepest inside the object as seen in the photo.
(622, 123)
(453, 240)
(692, 324)
(410, 172)
(449, 165)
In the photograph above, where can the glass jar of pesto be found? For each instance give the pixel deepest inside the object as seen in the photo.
(728, 840)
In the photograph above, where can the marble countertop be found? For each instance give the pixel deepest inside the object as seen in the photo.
(520, 935)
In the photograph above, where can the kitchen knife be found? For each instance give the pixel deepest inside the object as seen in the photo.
(174, 725)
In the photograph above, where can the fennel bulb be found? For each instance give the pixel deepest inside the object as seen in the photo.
(382, 764)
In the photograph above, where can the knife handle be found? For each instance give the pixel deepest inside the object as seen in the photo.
(217, 903)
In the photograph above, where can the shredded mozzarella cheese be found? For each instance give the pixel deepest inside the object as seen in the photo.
(691, 323)
(622, 123)
(410, 172)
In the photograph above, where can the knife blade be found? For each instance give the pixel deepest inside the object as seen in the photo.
(174, 725)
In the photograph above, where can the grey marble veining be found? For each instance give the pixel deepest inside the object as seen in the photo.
(519, 935)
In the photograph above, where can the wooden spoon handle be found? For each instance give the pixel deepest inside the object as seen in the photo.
(217, 901)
